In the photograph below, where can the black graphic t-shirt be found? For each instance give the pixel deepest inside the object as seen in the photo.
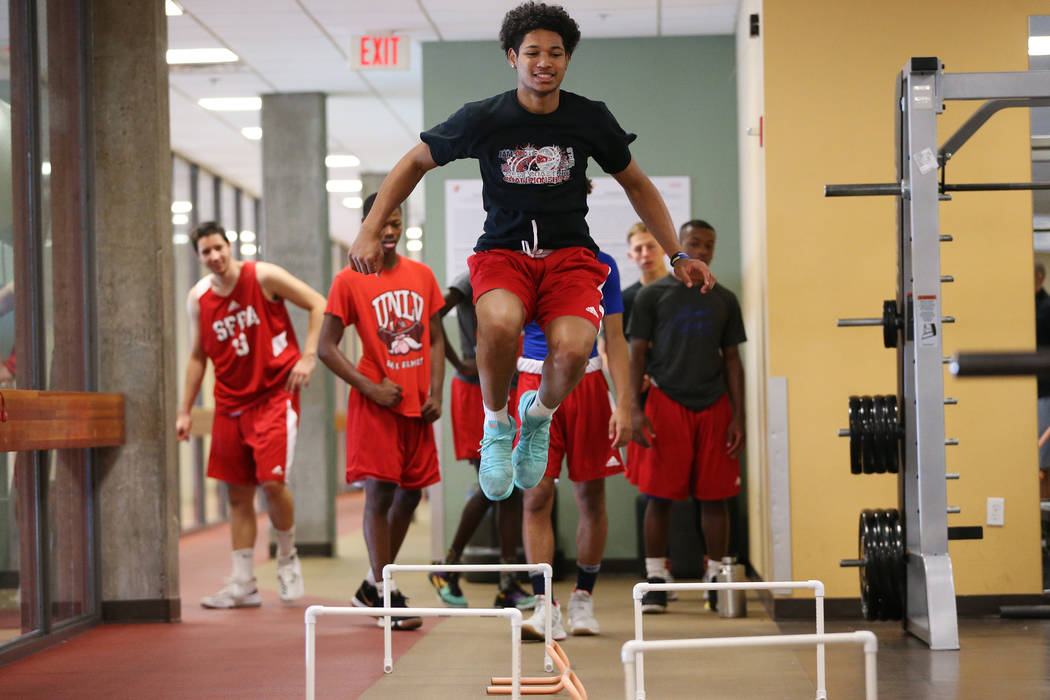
(687, 330)
(533, 166)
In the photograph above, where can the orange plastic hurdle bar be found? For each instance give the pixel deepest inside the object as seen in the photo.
(545, 685)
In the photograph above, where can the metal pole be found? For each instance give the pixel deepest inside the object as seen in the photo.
(1000, 364)
(871, 190)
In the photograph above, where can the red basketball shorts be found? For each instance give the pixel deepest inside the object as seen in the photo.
(468, 417)
(688, 456)
(388, 446)
(568, 282)
(580, 429)
(258, 443)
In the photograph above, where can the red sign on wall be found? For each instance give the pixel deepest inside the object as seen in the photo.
(379, 52)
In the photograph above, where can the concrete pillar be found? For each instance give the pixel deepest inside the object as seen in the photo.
(295, 225)
(138, 482)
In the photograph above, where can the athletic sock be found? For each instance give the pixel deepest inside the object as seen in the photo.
(506, 578)
(586, 574)
(654, 568)
(497, 416)
(243, 565)
(537, 584)
(713, 565)
(538, 410)
(370, 577)
(285, 543)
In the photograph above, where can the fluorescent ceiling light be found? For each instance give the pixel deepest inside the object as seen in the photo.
(342, 161)
(219, 55)
(353, 202)
(231, 236)
(1039, 46)
(413, 233)
(181, 207)
(231, 104)
(180, 239)
(180, 219)
(343, 185)
(248, 249)
(172, 9)
(414, 246)
(45, 168)
(252, 133)
(247, 236)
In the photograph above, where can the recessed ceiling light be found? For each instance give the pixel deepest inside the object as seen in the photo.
(180, 239)
(172, 9)
(342, 161)
(252, 133)
(1039, 46)
(181, 206)
(343, 185)
(45, 168)
(182, 56)
(247, 236)
(180, 219)
(414, 246)
(248, 249)
(413, 232)
(353, 202)
(231, 104)
(231, 236)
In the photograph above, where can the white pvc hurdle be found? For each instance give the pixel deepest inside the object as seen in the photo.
(633, 649)
(315, 611)
(818, 594)
(389, 569)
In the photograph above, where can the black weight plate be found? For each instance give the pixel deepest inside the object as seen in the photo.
(895, 431)
(891, 608)
(881, 435)
(878, 575)
(867, 410)
(855, 462)
(889, 323)
(900, 568)
(865, 551)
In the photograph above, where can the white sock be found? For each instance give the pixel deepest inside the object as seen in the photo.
(654, 568)
(497, 416)
(379, 588)
(538, 410)
(371, 578)
(243, 566)
(285, 543)
(713, 565)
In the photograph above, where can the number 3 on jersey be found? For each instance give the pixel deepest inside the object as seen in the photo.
(240, 345)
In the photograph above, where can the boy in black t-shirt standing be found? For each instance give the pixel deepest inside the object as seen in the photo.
(535, 259)
(695, 402)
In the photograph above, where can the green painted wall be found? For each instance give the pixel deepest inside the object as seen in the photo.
(679, 95)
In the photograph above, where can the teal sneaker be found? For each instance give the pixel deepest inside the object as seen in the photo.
(530, 456)
(495, 473)
(446, 585)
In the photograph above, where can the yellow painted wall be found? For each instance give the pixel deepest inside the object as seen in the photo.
(830, 70)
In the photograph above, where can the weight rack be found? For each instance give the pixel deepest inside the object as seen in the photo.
(913, 324)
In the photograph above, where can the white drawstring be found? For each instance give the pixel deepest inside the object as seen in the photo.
(534, 250)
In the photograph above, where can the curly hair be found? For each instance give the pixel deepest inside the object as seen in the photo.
(530, 16)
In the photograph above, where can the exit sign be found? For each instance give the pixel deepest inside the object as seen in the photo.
(379, 52)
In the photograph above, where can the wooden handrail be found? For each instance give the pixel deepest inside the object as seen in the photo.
(50, 420)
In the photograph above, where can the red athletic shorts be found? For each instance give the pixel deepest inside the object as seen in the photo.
(568, 282)
(468, 417)
(580, 429)
(258, 443)
(688, 456)
(388, 446)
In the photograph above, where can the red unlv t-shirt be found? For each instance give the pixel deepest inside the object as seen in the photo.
(392, 314)
(249, 339)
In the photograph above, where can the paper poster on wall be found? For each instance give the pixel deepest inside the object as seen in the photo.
(610, 215)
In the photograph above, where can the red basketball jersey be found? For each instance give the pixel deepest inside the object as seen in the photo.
(249, 339)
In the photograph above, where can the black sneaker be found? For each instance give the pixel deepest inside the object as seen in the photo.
(367, 596)
(398, 600)
(654, 602)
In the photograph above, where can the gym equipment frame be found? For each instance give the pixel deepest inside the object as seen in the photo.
(316, 611)
(817, 587)
(632, 650)
(914, 323)
(388, 572)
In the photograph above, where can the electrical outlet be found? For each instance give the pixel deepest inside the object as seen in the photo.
(996, 511)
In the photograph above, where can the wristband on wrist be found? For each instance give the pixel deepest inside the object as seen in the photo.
(678, 256)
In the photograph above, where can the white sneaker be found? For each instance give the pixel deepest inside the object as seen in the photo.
(581, 614)
(533, 627)
(290, 579)
(236, 594)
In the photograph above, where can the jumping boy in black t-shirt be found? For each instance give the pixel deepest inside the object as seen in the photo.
(535, 259)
